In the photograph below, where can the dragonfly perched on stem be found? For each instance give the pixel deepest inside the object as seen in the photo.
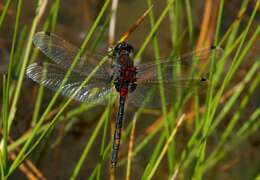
(137, 84)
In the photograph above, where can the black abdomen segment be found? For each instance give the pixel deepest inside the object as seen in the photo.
(117, 134)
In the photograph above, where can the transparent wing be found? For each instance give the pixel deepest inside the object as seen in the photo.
(62, 52)
(181, 66)
(97, 90)
(177, 76)
(149, 96)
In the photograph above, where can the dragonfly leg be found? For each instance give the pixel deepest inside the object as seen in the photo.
(132, 87)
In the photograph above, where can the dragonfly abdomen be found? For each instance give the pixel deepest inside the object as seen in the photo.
(118, 129)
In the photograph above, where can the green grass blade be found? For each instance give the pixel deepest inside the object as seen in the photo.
(190, 21)
(209, 114)
(89, 144)
(153, 30)
(22, 155)
(4, 118)
(4, 13)
(220, 14)
(238, 90)
(25, 61)
(53, 18)
(164, 150)
(161, 87)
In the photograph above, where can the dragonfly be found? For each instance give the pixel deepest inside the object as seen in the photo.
(136, 84)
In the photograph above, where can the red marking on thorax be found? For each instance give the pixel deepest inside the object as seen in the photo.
(127, 75)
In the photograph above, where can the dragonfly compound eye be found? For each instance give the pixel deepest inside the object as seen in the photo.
(124, 46)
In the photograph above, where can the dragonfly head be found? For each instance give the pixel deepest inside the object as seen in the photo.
(123, 48)
(123, 54)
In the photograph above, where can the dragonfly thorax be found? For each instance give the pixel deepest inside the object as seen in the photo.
(125, 80)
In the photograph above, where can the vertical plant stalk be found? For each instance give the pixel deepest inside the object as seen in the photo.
(166, 146)
(40, 91)
(220, 14)
(6, 91)
(208, 24)
(161, 87)
(19, 7)
(200, 153)
(4, 12)
(3, 144)
(25, 152)
(175, 25)
(190, 21)
(88, 146)
(112, 24)
(212, 103)
(39, 12)
(130, 151)
(154, 29)
(100, 164)
(191, 147)
(218, 152)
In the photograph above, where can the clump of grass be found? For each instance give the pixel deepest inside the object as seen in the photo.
(227, 98)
